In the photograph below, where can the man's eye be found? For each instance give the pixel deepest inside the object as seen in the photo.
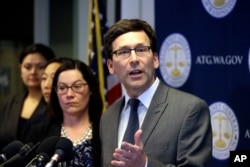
(121, 52)
(141, 49)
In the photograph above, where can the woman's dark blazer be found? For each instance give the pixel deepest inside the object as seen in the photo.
(10, 116)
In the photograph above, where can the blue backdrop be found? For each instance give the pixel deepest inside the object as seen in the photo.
(204, 49)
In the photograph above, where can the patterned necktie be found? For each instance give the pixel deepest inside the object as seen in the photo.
(133, 123)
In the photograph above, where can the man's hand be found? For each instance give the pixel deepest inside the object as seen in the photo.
(130, 155)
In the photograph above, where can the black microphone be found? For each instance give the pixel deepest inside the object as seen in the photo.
(39, 161)
(22, 152)
(63, 150)
(10, 150)
(7, 138)
(44, 151)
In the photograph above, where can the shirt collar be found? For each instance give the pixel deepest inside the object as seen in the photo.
(146, 97)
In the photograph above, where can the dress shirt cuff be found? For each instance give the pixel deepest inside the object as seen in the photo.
(146, 164)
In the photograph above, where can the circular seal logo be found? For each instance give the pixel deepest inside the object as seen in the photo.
(225, 130)
(219, 8)
(175, 60)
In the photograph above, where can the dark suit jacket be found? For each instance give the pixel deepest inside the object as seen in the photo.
(176, 130)
(10, 117)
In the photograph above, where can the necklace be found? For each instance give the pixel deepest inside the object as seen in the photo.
(87, 135)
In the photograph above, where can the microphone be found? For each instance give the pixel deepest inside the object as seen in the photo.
(25, 150)
(63, 150)
(39, 161)
(6, 139)
(10, 150)
(44, 151)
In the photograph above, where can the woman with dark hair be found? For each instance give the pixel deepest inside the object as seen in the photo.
(48, 75)
(18, 112)
(75, 108)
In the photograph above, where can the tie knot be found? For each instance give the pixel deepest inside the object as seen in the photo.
(134, 103)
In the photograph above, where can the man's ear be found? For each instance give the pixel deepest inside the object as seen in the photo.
(110, 66)
(156, 60)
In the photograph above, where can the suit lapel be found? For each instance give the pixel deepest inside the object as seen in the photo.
(116, 119)
(14, 112)
(156, 109)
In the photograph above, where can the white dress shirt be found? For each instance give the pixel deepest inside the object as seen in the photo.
(145, 100)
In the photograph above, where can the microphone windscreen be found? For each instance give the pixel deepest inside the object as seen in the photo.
(26, 148)
(42, 158)
(19, 159)
(44, 155)
(12, 148)
(6, 138)
(39, 160)
(64, 148)
(48, 145)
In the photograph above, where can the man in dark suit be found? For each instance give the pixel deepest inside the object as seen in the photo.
(174, 126)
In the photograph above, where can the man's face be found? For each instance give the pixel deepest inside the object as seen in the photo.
(136, 71)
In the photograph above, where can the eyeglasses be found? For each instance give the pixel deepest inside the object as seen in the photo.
(77, 88)
(125, 53)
